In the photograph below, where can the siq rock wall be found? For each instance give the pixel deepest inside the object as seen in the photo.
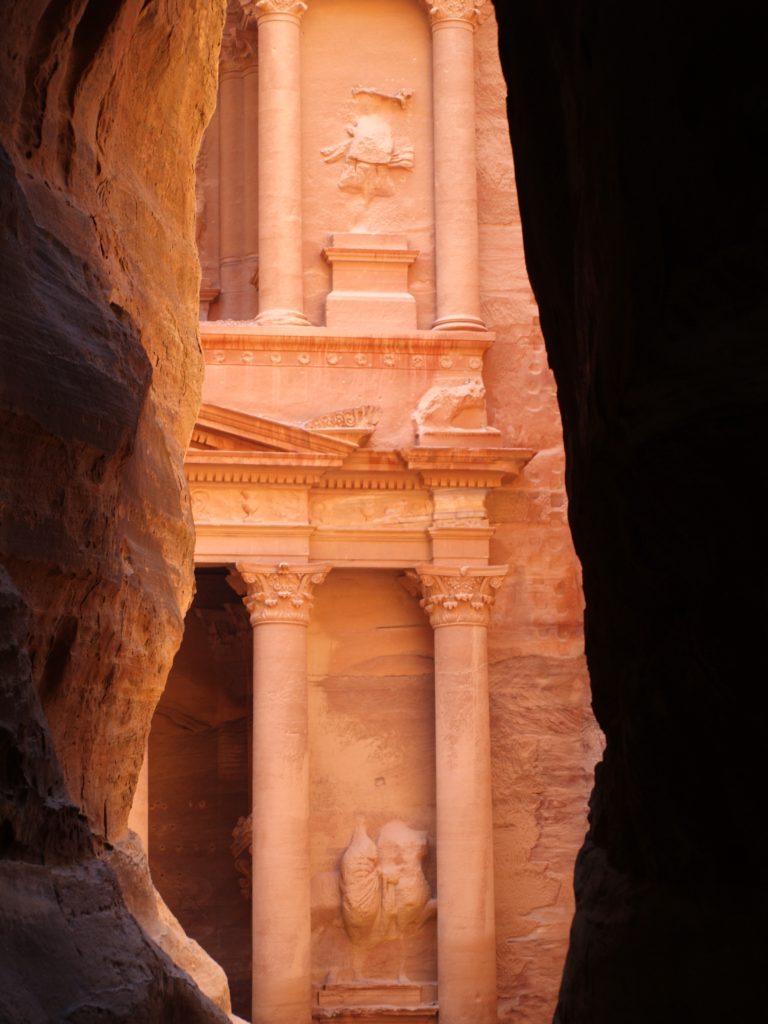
(102, 105)
(641, 166)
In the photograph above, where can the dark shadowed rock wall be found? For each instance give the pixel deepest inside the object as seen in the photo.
(641, 150)
(102, 105)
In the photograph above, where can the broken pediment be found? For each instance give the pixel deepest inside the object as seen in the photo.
(221, 429)
(355, 425)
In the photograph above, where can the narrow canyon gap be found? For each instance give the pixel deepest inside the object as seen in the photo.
(640, 153)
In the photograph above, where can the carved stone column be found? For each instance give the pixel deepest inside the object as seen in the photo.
(458, 602)
(281, 285)
(456, 228)
(279, 599)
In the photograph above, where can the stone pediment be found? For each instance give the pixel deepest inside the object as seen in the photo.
(229, 430)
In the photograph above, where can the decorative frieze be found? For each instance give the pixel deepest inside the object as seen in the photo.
(282, 592)
(458, 596)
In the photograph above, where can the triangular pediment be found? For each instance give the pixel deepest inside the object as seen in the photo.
(221, 429)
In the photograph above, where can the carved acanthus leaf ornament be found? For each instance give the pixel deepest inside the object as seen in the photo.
(464, 596)
(258, 8)
(472, 11)
(281, 593)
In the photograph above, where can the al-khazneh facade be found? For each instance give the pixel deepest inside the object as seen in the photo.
(375, 471)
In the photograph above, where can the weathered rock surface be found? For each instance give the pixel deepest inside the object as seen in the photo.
(98, 390)
(641, 168)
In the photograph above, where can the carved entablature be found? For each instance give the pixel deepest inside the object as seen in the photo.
(282, 592)
(472, 11)
(457, 596)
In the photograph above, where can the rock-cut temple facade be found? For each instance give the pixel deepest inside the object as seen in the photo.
(366, 782)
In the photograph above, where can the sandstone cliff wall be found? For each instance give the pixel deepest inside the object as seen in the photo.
(102, 105)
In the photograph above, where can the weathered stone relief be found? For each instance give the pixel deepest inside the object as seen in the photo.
(370, 152)
(384, 894)
(452, 406)
(224, 626)
(251, 505)
(356, 424)
(380, 892)
(239, 44)
(242, 837)
(371, 509)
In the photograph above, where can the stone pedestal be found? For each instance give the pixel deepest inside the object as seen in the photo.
(456, 226)
(279, 599)
(458, 602)
(370, 282)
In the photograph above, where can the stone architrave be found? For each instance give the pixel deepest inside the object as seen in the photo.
(459, 602)
(456, 209)
(279, 599)
(281, 287)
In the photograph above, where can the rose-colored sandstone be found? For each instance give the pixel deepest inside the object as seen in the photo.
(98, 393)
(384, 488)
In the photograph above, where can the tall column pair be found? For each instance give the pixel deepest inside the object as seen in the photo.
(281, 296)
(458, 602)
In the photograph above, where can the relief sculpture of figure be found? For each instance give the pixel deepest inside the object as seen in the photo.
(360, 886)
(370, 153)
(384, 894)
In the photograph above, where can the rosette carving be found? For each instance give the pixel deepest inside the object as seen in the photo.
(280, 593)
(462, 596)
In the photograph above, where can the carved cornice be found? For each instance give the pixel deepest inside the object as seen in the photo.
(282, 592)
(470, 11)
(457, 596)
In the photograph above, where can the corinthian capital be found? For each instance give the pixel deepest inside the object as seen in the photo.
(259, 8)
(472, 11)
(455, 597)
(280, 593)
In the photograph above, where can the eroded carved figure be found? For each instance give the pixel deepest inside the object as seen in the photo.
(242, 839)
(370, 151)
(445, 405)
(384, 893)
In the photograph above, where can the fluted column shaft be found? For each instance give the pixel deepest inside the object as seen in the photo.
(458, 602)
(456, 209)
(281, 286)
(279, 599)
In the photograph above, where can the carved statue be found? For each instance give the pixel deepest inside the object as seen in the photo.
(369, 152)
(457, 406)
(384, 894)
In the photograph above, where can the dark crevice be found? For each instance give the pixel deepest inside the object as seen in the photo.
(58, 659)
(42, 63)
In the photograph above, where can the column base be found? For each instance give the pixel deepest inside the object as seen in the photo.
(459, 323)
(282, 318)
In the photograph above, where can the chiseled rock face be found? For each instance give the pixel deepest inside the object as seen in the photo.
(102, 105)
(641, 168)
